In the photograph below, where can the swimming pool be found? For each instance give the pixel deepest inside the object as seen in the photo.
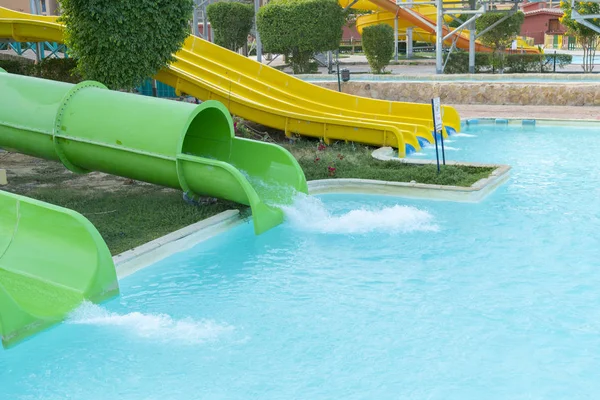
(362, 297)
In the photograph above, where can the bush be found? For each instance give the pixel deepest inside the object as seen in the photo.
(56, 69)
(300, 28)
(348, 49)
(378, 42)
(121, 43)
(16, 67)
(458, 63)
(514, 63)
(232, 22)
(521, 63)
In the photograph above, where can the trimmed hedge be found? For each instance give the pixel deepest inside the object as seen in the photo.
(56, 69)
(300, 28)
(232, 22)
(348, 49)
(509, 63)
(378, 42)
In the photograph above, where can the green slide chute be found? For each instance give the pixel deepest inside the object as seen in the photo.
(173, 144)
(51, 259)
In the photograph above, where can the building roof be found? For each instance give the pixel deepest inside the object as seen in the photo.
(549, 11)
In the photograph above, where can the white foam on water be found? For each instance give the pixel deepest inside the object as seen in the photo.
(450, 148)
(308, 213)
(150, 326)
(463, 135)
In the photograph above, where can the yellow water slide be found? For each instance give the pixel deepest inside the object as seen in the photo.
(267, 96)
(421, 18)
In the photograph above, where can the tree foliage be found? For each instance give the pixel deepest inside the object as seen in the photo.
(232, 22)
(300, 28)
(121, 43)
(502, 35)
(378, 45)
(586, 36)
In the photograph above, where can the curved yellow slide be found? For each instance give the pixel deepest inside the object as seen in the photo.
(420, 18)
(270, 97)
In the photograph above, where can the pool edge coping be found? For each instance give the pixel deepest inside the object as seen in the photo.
(474, 193)
(149, 253)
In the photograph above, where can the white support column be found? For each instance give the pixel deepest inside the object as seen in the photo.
(51, 7)
(37, 10)
(472, 34)
(439, 42)
(204, 22)
(396, 38)
(256, 34)
(195, 30)
(409, 42)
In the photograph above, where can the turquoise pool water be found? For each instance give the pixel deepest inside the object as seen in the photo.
(362, 297)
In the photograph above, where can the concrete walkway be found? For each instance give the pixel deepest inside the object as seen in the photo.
(531, 112)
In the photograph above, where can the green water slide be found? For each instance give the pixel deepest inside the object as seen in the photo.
(173, 144)
(51, 259)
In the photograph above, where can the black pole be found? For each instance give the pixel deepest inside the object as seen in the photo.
(154, 90)
(554, 60)
(437, 155)
(337, 63)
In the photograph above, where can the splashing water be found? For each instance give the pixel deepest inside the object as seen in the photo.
(463, 135)
(308, 213)
(151, 326)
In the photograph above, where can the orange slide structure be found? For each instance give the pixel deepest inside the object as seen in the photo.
(412, 17)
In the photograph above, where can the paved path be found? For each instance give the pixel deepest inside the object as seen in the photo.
(559, 112)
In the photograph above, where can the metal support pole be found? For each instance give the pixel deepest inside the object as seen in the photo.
(154, 88)
(472, 34)
(256, 34)
(337, 54)
(195, 30)
(409, 49)
(204, 22)
(439, 42)
(409, 42)
(396, 38)
(36, 10)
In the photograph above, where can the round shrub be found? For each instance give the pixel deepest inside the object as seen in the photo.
(121, 43)
(300, 28)
(232, 22)
(378, 44)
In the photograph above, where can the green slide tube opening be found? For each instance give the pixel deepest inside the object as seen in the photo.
(51, 259)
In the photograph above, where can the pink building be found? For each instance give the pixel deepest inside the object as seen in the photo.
(541, 18)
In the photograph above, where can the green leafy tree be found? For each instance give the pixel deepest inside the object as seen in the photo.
(300, 28)
(121, 43)
(232, 22)
(586, 36)
(500, 36)
(455, 23)
(378, 45)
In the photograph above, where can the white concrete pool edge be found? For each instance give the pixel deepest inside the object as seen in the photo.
(540, 122)
(151, 252)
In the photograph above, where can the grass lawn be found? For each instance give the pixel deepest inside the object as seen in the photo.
(347, 160)
(129, 213)
(129, 218)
